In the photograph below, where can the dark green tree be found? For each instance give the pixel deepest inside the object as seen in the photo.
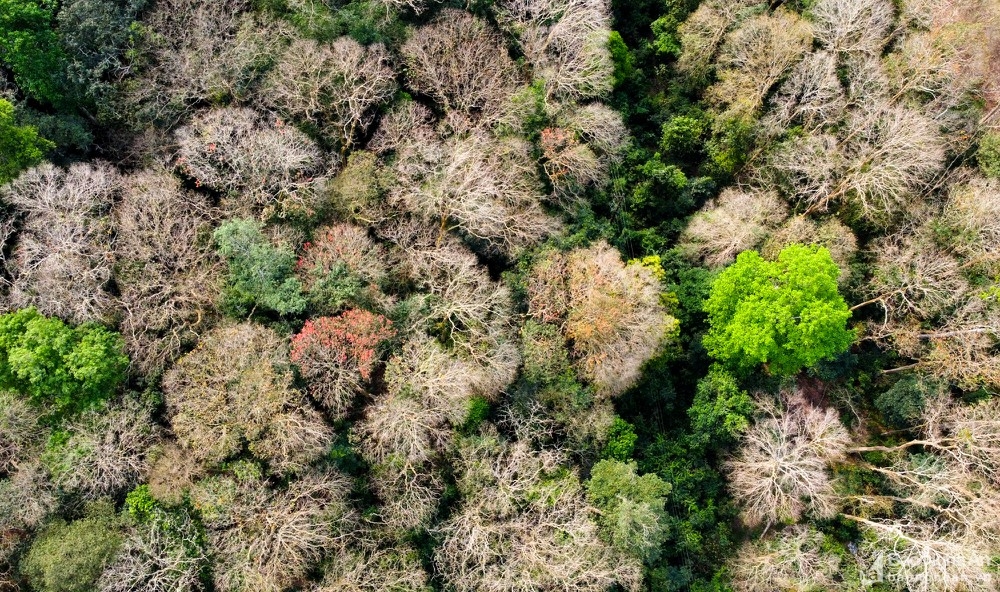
(785, 314)
(69, 557)
(261, 276)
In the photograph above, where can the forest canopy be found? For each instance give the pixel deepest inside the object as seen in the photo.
(499, 296)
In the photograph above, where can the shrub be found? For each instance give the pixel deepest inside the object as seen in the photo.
(989, 155)
(260, 274)
(69, 557)
(66, 368)
(621, 441)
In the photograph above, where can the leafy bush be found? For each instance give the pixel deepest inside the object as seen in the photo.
(68, 368)
(69, 557)
(721, 410)
(989, 155)
(785, 314)
(621, 441)
(261, 276)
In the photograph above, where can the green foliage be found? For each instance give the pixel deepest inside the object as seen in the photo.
(260, 274)
(903, 403)
(785, 314)
(683, 136)
(988, 155)
(20, 146)
(721, 410)
(632, 516)
(729, 146)
(621, 57)
(69, 557)
(621, 441)
(139, 504)
(67, 368)
(30, 48)
(479, 410)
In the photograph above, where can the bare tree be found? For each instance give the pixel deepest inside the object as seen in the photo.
(167, 272)
(853, 26)
(107, 451)
(262, 165)
(972, 213)
(912, 276)
(460, 62)
(780, 470)
(756, 56)
(812, 95)
(702, 33)
(20, 431)
(610, 312)
(482, 188)
(462, 301)
(235, 390)
(512, 527)
(63, 258)
(396, 570)
(335, 87)
(730, 224)
(162, 554)
(268, 540)
(793, 559)
(565, 41)
(200, 50)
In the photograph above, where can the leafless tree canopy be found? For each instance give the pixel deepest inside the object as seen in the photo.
(781, 470)
(267, 540)
(506, 535)
(201, 50)
(462, 64)
(609, 311)
(167, 272)
(565, 41)
(63, 259)
(335, 87)
(732, 223)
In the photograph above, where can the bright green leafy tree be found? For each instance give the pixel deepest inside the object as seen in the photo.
(632, 516)
(785, 314)
(20, 146)
(69, 368)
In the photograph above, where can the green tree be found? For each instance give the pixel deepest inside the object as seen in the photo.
(20, 146)
(69, 368)
(69, 557)
(632, 516)
(720, 411)
(260, 274)
(30, 48)
(785, 314)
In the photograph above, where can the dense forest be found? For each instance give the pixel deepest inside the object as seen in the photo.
(499, 295)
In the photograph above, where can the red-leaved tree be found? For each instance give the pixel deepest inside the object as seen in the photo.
(338, 354)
